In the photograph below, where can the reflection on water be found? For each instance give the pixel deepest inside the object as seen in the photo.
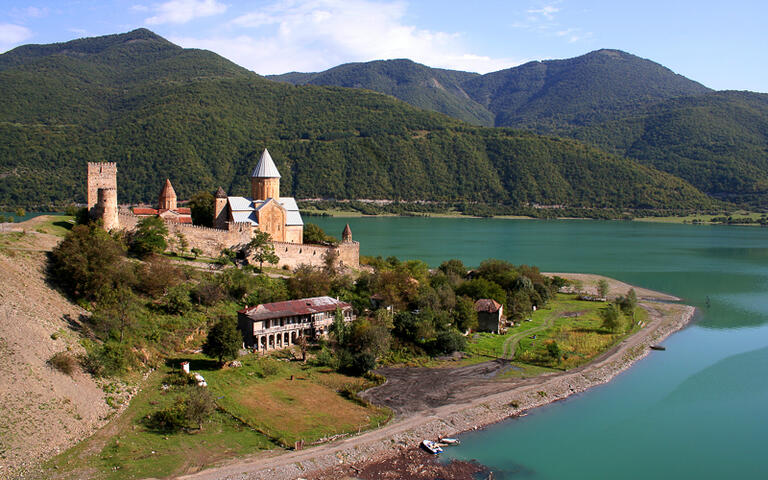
(696, 410)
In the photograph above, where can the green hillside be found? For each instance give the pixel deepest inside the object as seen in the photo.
(717, 141)
(621, 103)
(421, 86)
(189, 115)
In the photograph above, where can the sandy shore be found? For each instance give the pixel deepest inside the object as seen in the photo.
(350, 456)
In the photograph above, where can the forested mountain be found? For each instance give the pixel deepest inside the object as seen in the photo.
(421, 86)
(718, 141)
(189, 115)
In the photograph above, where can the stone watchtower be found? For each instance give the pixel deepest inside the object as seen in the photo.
(168, 198)
(102, 193)
(265, 179)
(219, 209)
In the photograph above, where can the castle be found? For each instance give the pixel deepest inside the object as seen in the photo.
(235, 219)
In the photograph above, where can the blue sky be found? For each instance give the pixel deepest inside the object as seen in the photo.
(720, 44)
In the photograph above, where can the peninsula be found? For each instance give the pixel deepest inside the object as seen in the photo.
(492, 376)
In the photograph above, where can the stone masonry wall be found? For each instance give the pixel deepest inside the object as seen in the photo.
(295, 254)
(212, 240)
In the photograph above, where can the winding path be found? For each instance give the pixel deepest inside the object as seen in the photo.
(510, 344)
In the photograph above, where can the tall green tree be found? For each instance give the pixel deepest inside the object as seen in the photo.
(262, 249)
(150, 236)
(602, 288)
(201, 206)
(610, 314)
(464, 314)
(314, 234)
(224, 340)
(86, 261)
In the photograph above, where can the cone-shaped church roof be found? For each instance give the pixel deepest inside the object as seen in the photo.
(168, 191)
(347, 233)
(220, 193)
(266, 167)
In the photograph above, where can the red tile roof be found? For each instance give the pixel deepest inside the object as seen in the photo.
(488, 305)
(183, 210)
(291, 308)
(144, 211)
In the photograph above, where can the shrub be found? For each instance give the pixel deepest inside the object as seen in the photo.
(178, 378)
(63, 362)
(361, 363)
(224, 340)
(198, 405)
(449, 341)
(157, 275)
(109, 359)
(177, 300)
(87, 260)
(208, 294)
(168, 419)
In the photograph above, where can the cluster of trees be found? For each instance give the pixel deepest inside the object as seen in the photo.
(430, 309)
(620, 314)
(142, 305)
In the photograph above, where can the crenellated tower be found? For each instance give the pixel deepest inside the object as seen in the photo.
(100, 175)
(265, 179)
(101, 193)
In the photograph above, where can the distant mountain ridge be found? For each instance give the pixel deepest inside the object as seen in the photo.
(608, 98)
(424, 87)
(190, 115)
(594, 87)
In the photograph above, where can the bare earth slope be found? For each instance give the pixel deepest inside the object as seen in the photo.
(42, 411)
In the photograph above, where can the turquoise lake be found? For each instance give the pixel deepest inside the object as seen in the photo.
(698, 410)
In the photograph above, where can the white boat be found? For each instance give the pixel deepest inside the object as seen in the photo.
(431, 447)
(449, 441)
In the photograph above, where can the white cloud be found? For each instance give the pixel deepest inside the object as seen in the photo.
(35, 12)
(183, 11)
(542, 21)
(12, 35)
(312, 35)
(547, 11)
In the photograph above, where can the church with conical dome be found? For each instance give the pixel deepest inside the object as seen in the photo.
(265, 210)
(235, 219)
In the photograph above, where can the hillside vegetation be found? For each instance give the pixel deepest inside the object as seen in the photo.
(189, 115)
(421, 86)
(717, 141)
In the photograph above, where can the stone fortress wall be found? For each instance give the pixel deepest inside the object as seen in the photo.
(102, 179)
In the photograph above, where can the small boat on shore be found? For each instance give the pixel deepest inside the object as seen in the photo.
(658, 347)
(449, 441)
(431, 447)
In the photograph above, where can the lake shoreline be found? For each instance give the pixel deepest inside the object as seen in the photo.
(350, 455)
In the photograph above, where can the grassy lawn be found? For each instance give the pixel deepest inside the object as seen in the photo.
(576, 327)
(259, 408)
(57, 225)
(704, 219)
(127, 448)
(287, 401)
(573, 324)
